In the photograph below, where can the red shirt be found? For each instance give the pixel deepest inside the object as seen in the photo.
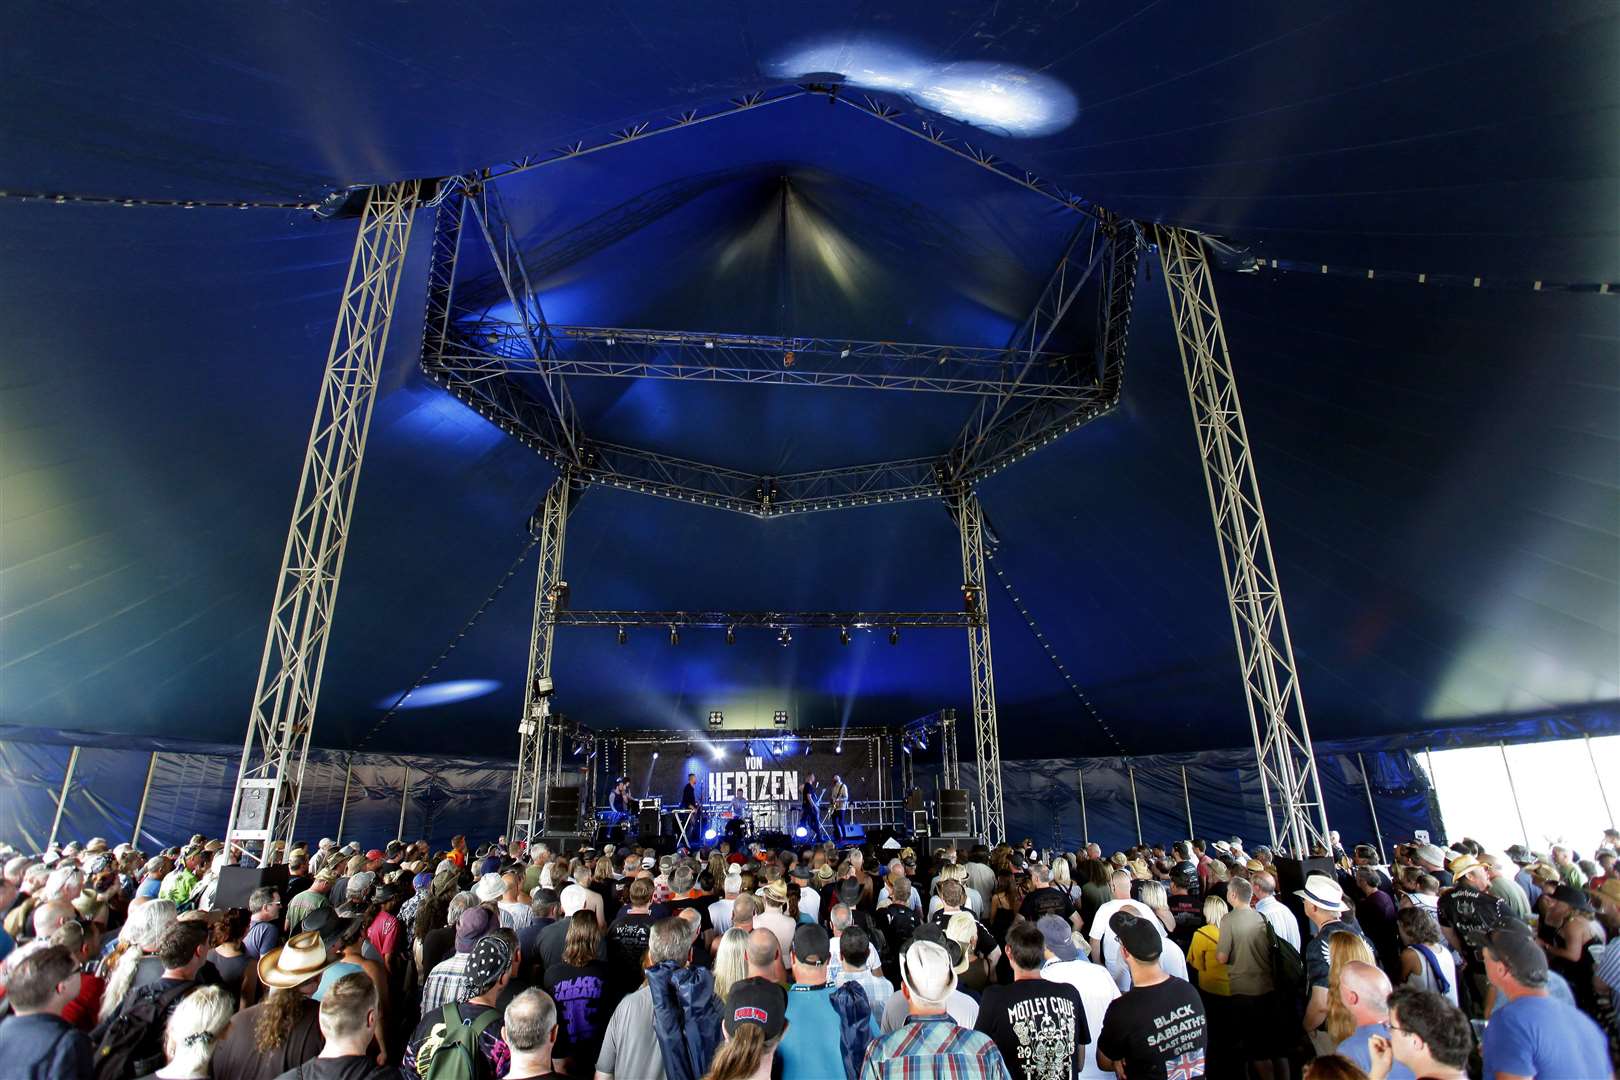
(384, 934)
(81, 1011)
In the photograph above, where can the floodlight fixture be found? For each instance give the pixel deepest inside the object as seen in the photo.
(843, 635)
(780, 718)
(624, 635)
(731, 635)
(674, 635)
(894, 635)
(785, 637)
(716, 719)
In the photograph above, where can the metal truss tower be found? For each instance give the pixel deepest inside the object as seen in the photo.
(264, 808)
(969, 517)
(1282, 739)
(538, 759)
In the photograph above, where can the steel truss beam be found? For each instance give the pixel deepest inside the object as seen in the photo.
(768, 620)
(969, 517)
(495, 347)
(264, 807)
(534, 764)
(1289, 785)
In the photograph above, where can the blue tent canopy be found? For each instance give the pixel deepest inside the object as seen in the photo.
(1439, 462)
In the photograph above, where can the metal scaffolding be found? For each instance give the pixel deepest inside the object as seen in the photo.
(1295, 812)
(986, 738)
(264, 808)
(769, 620)
(536, 757)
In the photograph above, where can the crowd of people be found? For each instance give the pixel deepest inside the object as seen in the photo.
(963, 963)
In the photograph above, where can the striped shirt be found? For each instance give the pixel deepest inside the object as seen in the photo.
(933, 1048)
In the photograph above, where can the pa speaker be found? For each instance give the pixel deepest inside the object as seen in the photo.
(236, 884)
(562, 811)
(954, 819)
(649, 824)
(1291, 873)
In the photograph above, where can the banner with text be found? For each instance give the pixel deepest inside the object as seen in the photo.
(773, 772)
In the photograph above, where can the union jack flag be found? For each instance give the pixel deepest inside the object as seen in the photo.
(1188, 1066)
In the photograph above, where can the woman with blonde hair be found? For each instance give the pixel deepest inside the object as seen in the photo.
(1203, 954)
(194, 1030)
(1343, 947)
(123, 969)
(753, 1022)
(730, 962)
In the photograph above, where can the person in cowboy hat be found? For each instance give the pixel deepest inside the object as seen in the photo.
(1324, 908)
(283, 1031)
(1467, 912)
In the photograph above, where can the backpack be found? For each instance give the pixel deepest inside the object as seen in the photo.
(1287, 966)
(899, 923)
(455, 1055)
(132, 1044)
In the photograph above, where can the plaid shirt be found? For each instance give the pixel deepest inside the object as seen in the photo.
(933, 1048)
(446, 983)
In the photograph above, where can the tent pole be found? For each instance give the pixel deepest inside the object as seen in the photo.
(1085, 829)
(404, 800)
(1366, 782)
(61, 798)
(1135, 810)
(1599, 776)
(140, 811)
(343, 807)
(1186, 797)
(1514, 791)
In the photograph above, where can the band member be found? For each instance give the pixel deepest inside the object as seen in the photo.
(689, 799)
(619, 801)
(737, 827)
(838, 802)
(809, 810)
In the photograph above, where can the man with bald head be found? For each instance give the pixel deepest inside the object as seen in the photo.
(1364, 990)
(764, 954)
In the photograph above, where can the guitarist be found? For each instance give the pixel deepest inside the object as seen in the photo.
(840, 801)
(810, 808)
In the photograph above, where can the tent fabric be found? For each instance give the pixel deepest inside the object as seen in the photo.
(1438, 463)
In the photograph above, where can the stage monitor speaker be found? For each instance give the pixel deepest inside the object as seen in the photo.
(877, 836)
(236, 884)
(649, 824)
(954, 819)
(562, 811)
(1291, 873)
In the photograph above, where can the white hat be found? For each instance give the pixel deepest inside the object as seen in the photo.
(1324, 892)
(489, 887)
(925, 967)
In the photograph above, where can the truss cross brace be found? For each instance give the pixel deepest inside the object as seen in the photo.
(1289, 784)
(264, 807)
(969, 517)
(537, 754)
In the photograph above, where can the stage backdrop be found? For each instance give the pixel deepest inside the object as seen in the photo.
(762, 770)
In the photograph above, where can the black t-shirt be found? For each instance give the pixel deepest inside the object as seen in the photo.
(348, 1067)
(1156, 1029)
(1470, 912)
(585, 998)
(627, 942)
(437, 945)
(1047, 901)
(1039, 1026)
(296, 885)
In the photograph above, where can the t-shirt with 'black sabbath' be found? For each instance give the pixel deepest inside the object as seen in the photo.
(1157, 1031)
(1038, 1025)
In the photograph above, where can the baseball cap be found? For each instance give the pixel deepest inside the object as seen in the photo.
(811, 944)
(1055, 931)
(1518, 952)
(473, 925)
(374, 855)
(756, 1001)
(1138, 937)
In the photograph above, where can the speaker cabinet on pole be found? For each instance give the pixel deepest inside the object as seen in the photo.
(1291, 873)
(236, 884)
(954, 819)
(562, 811)
(648, 824)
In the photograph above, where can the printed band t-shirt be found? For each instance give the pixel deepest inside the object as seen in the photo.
(1158, 1031)
(585, 998)
(1038, 1025)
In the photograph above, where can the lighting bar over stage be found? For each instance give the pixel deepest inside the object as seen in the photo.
(771, 620)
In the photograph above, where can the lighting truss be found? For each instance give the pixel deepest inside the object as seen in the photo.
(942, 725)
(538, 756)
(982, 674)
(264, 806)
(769, 620)
(496, 347)
(1295, 811)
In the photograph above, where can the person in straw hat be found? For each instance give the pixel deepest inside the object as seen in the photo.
(284, 1030)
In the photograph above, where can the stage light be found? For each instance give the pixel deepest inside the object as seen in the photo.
(785, 638)
(624, 636)
(674, 636)
(731, 635)
(708, 343)
(779, 748)
(922, 740)
(779, 718)
(839, 749)
(843, 635)
(655, 755)
(708, 834)
(716, 719)
(611, 340)
(719, 753)
(801, 832)
(894, 635)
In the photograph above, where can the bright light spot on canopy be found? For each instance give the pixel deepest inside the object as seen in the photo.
(442, 693)
(1002, 98)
